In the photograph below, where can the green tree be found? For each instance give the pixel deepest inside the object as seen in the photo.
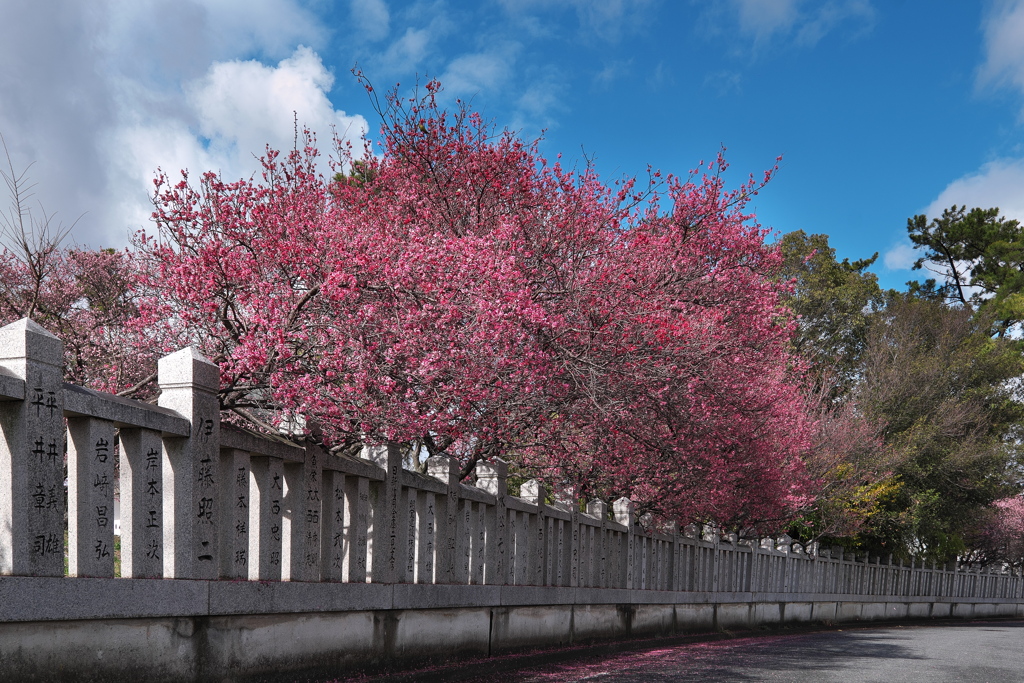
(833, 300)
(942, 387)
(978, 258)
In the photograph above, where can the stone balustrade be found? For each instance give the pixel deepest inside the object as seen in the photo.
(204, 500)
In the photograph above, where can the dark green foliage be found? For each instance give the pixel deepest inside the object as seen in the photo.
(979, 258)
(834, 300)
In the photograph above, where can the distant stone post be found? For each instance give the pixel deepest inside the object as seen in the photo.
(533, 492)
(492, 477)
(446, 470)
(624, 514)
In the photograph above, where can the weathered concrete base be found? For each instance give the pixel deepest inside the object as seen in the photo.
(328, 645)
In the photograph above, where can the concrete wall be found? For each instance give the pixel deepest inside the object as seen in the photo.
(302, 632)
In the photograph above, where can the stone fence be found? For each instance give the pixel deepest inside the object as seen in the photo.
(202, 500)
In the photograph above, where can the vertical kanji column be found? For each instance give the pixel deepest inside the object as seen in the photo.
(384, 564)
(332, 539)
(492, 476)
(32, 454)
(142, 539)
(90, 497)
(234, 513)
(533, 491)
(266, 499)
(188, 385)
(446, 470)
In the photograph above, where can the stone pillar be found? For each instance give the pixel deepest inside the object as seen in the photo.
(426, 527)
(234, 520)
(357, 528)
(623, 511)
(599, 509)
(188, 385)
(533, 492)
(90, 497)
(386, 559)
(492, 476)
(142, 508)
(266, 503)
(301, 527)
(479, 544)
(407, 539)
(446, 470)
(333, 546)
(32, 454)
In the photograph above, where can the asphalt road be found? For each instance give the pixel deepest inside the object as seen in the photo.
(983, 652)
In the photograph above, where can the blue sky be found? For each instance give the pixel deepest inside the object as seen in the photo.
(881, 110)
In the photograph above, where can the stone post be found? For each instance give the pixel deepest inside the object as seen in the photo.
(32, 454)
(386, 552)
(332, 541)
(302, 509)
(142, 508)
(533, 492)
(566, 500)
(266, 504)
(446, 470)
(599, 509)
(90, 497)
(234, 518)
(426, 538)
(188, 385)
(492, 476)
(623, 511)
(357, 531)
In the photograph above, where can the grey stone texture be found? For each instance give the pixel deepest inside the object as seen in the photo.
(32, 454)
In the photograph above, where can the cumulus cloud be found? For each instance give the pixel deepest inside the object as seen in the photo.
(999, 183)
(238, 107)
(1004, 46)
(98, 94)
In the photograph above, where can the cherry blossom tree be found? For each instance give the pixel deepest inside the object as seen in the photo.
(460, 294)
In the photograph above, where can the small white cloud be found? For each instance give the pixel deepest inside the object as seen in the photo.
(371, 18)
(900, 257)
(404, 55)
(999, 183)
(1004, 45)
(804, 23)
(612, 72)
(763, 19)
(473, 73)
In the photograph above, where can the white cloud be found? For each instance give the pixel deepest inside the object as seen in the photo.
(900, 256)
(803, 22)
(371, 18)
(99, 94)
(472, 73)
(405, 54)
(999, 183)
(1004, 45)
(237, 108)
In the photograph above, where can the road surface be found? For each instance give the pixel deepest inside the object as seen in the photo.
(982, 652)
